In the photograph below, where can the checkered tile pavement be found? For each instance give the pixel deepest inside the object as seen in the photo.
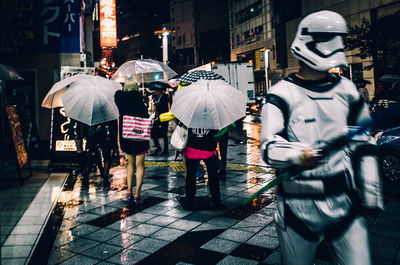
(92, 224)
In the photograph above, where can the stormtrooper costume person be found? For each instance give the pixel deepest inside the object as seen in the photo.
(304, 111)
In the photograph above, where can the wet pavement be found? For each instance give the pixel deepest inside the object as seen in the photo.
(72, 222)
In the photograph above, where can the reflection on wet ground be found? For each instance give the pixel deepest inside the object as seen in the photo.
(95, 224)
(187, 249)
(243, 211)
(124, 212)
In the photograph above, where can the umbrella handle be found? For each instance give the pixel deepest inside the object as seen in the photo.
(275, 182)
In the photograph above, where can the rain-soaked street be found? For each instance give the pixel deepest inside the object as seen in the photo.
(90, 223)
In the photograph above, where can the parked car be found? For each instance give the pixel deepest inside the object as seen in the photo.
(255, 108)
(389, 149)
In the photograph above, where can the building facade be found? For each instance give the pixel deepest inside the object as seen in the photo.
(136, 23)
(354, 11)
(256, 25)
(37, 38)
(200, 33)
(252, 36)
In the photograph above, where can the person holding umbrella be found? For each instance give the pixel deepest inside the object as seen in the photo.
(100, 144)
(161, 104)
(130, 102)
(88, 102)
(222, 136)
(201, 146)
(205, 107)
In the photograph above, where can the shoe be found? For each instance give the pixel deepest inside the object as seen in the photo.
(219, 206)
(129, 198)
(137, 200)
(154, 152)
(222, 174)
(186, 206)
(200, 180)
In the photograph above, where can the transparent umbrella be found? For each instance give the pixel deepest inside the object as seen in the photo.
(145, 70)
(85, 98)
(209, 104)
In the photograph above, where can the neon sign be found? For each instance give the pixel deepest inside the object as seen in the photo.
(108, 23)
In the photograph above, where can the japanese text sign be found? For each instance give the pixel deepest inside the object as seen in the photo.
(59, 26)
(108, 23)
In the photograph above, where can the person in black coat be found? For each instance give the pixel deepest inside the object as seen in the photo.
(100, 143)
(160, 129)
(131, 102)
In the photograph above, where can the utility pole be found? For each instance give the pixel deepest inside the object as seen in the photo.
(266, 66)
(163, 34)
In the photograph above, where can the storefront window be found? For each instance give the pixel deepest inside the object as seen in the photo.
(249, 12)
(249, 36)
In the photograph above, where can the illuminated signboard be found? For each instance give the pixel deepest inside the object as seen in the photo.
(58, 25)
(16, 132)
(68, 145)
(108, 23)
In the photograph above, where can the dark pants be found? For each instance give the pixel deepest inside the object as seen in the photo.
(97, 152)
(223, 150)
(160, 130)
(157, 143)
(213, 181)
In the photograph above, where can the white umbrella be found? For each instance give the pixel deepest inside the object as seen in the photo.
(210, 104)
(53, 97)
(145, 70)
(88, 99)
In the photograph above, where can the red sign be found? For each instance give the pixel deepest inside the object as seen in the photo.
(108, 23)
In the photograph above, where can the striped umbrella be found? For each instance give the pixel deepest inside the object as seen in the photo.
(195, 75)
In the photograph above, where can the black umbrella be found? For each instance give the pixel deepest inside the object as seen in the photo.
(9, 73)
(195, 75)
(391, 78)
(362, 82)
(157, 85)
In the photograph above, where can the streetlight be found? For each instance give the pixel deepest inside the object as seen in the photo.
(266, 60)
(164, 35)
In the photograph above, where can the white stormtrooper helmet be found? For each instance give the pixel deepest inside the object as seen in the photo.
(319, 41)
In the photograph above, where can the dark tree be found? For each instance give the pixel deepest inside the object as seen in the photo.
(379, 39)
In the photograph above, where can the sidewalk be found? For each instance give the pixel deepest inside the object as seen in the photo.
(93, 225)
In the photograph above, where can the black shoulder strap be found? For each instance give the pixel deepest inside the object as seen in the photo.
(281, 104)
(354, 111)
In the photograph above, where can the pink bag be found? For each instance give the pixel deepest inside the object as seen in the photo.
(136, 129)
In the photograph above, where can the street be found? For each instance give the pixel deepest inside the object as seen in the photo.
(92, 224)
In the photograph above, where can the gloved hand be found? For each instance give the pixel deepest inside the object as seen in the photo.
(310, 158)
